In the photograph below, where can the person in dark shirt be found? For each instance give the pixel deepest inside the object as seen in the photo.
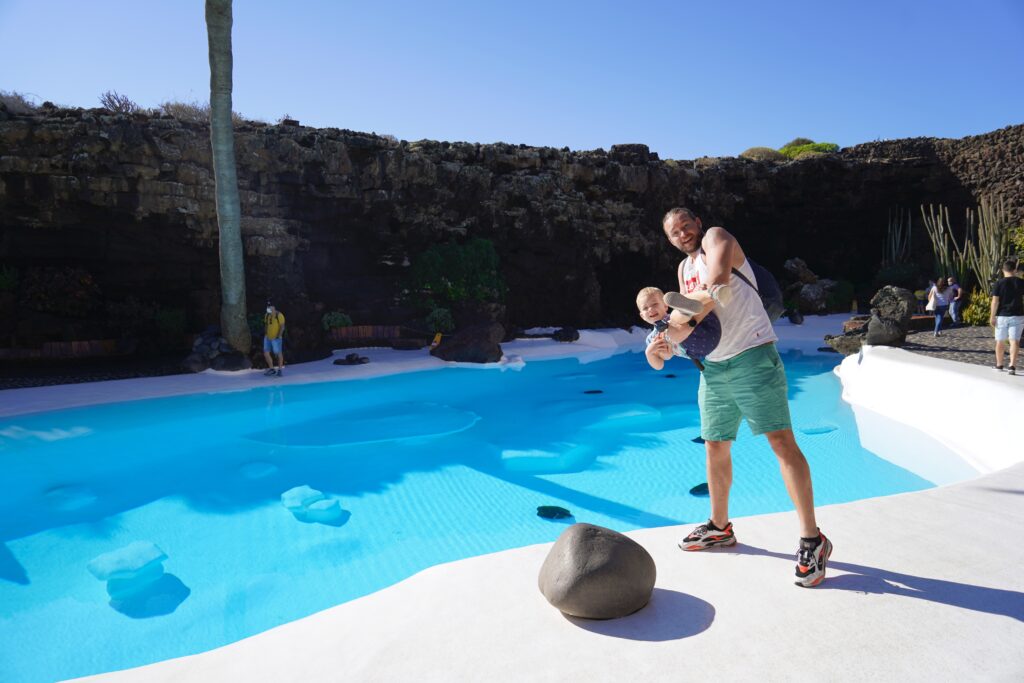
(957, 303)
(1007, 314)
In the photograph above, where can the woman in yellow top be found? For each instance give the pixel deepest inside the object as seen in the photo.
(273, 340)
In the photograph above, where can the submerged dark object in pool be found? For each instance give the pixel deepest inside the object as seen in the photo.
(697, 439)
(552, 512)
(670, 376)
(352, 359)
(699, 490)
(594, 391)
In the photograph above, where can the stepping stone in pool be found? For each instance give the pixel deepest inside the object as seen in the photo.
(700, 490)
(309, 505)
(552, 512)
(697, 439)
(597, 573)
(669, 376)
(129, 570)
(594, 391)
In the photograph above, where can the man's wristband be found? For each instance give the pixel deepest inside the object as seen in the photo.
(692, 322)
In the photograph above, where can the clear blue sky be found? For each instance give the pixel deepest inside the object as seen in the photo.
(688, 78)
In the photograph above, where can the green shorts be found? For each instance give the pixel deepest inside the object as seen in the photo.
(751, 385)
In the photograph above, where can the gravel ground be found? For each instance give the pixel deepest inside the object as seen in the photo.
(975, 345)
(23, 374)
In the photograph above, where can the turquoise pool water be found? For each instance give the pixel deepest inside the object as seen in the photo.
(426, 468)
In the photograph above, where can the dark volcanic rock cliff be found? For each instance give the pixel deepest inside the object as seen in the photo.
(331, 218)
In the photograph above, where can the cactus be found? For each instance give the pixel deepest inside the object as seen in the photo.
(897, 243)
(993, 244)
(986, 241)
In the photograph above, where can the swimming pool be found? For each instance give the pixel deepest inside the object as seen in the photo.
(426, 467)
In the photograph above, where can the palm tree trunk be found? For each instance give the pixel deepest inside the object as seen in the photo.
(232, 268)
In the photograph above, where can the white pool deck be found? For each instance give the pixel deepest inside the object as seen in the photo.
(924, 586)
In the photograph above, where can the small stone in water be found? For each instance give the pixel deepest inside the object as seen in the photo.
(699, 490)
(594, 391)
(552, 512)
(697, 439)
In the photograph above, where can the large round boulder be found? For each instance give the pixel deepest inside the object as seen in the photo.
(597, 573)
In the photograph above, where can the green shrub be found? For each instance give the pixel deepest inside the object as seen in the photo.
(796, 142)
(169, 322)
(820, 147)
(154, 327)
(448, 273)
(840, 297)
(132, 318)
(334, 319)
(256, 324)
(1017, 240)
(763, 154)
(978, 308)
(440, 320)
(808, 155)
(8, 278)
(61, 290)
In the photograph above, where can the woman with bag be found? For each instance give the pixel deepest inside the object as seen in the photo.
(939, 298)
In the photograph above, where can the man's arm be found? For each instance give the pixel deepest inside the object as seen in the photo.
(992, 310)
(723, 253)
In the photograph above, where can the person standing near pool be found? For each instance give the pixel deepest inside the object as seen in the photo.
(956, 303)
(1007, 313)
(273, 339)
(743, 377)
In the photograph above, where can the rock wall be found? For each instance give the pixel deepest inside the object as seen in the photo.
(331, 218)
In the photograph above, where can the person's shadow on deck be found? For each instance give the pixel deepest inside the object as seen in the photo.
(876, 580)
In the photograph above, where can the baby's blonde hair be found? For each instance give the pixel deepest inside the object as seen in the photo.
(647, 291)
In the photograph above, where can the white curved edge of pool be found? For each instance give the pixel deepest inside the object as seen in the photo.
(968, 410)
(592, 345)
(916, 580)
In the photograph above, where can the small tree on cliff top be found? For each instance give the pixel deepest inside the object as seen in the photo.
(232, 267)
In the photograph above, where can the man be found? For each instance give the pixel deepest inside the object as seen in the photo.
(1007, 314)
(742, 377)
(273, 339)
(956, 302)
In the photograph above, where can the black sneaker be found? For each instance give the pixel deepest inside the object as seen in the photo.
(1012, 369)
(269, 372)
(280, 372)
(999, 368)
(811, 561)
(706, 536)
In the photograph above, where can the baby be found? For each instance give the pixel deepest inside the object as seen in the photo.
(692, 330)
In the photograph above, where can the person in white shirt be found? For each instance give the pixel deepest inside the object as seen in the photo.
(743, 377)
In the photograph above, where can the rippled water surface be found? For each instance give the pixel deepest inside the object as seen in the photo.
(412, 470)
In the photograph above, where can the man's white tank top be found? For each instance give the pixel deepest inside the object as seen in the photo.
(744, 321)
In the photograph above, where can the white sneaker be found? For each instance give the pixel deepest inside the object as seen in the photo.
(683, 304)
